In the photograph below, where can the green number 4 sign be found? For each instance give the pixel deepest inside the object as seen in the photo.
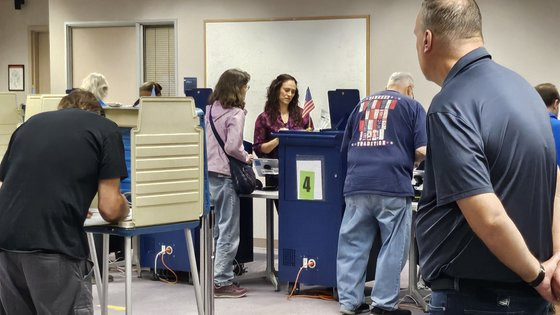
(306, 185)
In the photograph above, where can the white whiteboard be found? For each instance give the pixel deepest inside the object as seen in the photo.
(322, 54)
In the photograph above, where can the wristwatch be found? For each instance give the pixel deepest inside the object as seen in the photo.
(535, 283)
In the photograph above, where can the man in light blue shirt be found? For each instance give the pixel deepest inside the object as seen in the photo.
(551, 99)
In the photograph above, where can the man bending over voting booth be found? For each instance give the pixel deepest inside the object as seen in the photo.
(54, 165)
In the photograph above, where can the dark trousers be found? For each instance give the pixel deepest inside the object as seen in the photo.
(481, 297)
(40, 283)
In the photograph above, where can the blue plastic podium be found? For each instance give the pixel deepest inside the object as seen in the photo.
(309, 221)
(311, 202)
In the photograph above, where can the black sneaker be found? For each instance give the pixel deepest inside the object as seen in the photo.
(398, 311)
(363, 308)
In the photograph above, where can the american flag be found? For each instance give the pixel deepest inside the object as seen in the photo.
(309, 105)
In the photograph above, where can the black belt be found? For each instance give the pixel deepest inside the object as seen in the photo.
(445, 284)
(459, 284)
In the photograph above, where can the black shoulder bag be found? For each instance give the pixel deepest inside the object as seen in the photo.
(242, 174)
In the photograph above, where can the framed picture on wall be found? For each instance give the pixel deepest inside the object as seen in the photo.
(16, 78)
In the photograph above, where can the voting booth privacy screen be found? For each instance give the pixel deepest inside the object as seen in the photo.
(341, 104)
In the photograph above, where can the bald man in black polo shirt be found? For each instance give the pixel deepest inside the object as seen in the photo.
(486, 218)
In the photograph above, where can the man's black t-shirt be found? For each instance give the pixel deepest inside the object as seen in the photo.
(50, 175)
(488, 132)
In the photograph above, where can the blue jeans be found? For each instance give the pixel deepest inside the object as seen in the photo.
(365, 214)
(487, 300)
(226, 230)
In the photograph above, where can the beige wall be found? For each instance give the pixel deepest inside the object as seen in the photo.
(110, 51)
(190, 14)
(524, 36)
(14, 38)
(44, 64)
(520, 34)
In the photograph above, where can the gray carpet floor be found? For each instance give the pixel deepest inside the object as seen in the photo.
(159, 298)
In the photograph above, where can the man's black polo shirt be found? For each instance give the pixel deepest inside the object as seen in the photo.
(50, 175)
(488, 131)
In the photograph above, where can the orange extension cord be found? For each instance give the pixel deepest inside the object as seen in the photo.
(325, 297)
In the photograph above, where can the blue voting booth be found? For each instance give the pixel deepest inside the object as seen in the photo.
(312, 172)
(311, 181)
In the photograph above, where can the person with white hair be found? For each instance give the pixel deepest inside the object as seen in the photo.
(97, 84)
(404, 81)
(384, 137)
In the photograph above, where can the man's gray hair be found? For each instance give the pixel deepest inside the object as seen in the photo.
(96, 84)
(401, 78)
(452, 19)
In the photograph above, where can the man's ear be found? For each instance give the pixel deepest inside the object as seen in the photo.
(427, 41)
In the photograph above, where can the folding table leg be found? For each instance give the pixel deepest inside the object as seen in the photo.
(207, 263)
(128, 272)
(194, 271)
(96, 274)
(136, 254)
(105, 275)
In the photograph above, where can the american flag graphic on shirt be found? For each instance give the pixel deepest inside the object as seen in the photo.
(374, 112)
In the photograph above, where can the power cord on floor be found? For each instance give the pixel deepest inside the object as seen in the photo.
(321, 296)
(295, 283)
(167, 250)
(174, 274)
(239, 269)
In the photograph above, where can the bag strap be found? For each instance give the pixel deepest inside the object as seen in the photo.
(220, 141)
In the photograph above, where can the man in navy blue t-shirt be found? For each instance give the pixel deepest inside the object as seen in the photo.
(486, 217)
(384, 137)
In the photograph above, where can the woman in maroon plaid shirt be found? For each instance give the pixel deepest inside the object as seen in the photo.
(281, 112)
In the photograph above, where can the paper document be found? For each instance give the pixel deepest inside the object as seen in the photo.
(96, 218)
